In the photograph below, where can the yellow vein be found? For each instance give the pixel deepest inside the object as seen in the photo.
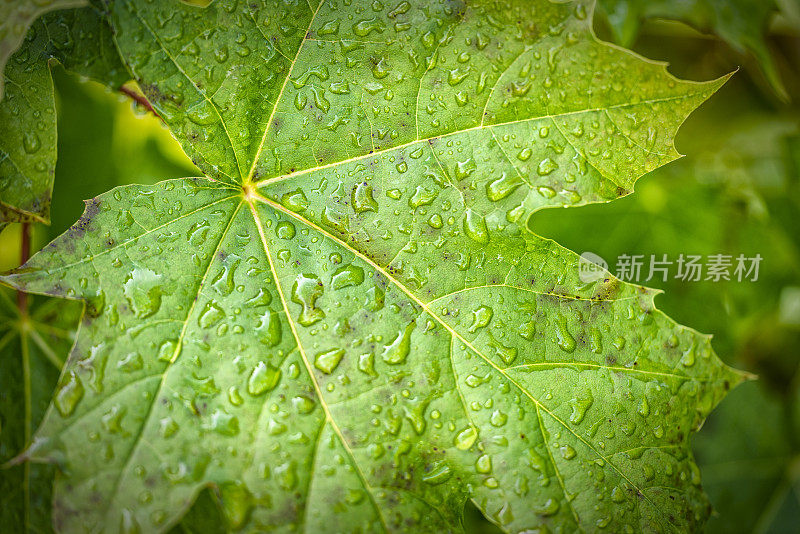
(194, 84)
(555, 469)
(610, 368)
(474, 128)
(249, 177)
(310, 370)
(123, 243)
(163, 381)
(453, 332)
(542, 293)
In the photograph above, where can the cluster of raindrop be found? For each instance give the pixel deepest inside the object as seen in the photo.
(318, 302)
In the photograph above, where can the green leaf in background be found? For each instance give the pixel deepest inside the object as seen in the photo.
(344, 324)
(81, 41)
(28, 139)
(16, 16)
(92, 121)
(32, 349)
(741, 23)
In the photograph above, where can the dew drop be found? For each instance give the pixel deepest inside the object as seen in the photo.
(347, 275)
(31, 142)
(438, 474)
(422, 197)
(263, 378)
(484, 464)
(211, 315)
(498, 418)
(397, 351)
(362, 198)
(366, 364)
(502, 187)
(143, 292)
(69, 394)
(234, 397)
(285, 230)
(550, 507)
(580, 405)
(475, 227)
(565, 340)
(222, 423)
(305, 291)
(328, 360)
(480, 318)
(466, 438)
(546, 166)
(295, 201)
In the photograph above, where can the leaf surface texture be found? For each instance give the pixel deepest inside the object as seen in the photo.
(81, 41)
(342, 327)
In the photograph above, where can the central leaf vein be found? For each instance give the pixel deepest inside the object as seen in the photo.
(139, 438)
(309, 369)
(453, 333)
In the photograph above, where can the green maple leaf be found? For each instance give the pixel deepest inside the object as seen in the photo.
(32, 348)
(16, 16)
(80, 40)
(740, 23)
(342, 327)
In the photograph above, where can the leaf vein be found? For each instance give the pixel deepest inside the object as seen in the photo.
(283, 177)
(162, 383)
(311, 375)
(249, 177)
(455, 333)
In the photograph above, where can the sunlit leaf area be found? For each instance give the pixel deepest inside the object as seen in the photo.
(364, 266)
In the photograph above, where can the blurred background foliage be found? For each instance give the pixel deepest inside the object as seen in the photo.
(737, 192)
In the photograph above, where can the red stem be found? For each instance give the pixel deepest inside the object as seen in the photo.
(139, 99)
(25, 253)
